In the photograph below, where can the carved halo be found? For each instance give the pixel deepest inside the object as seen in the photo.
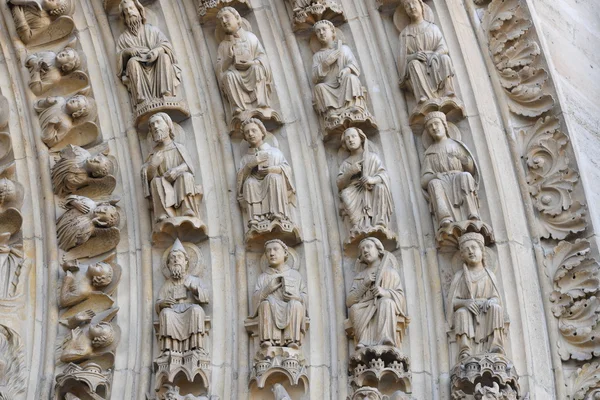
(401, 20)
(292, 261)
(196, 260)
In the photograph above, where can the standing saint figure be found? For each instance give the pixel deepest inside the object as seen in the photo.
(280, 300)
(376, 299)
(243, 69)
(146, 60)
(168, 174)
(425, 67)
(181, 318)
(264, 179)
(476, 312)
(335, 73)
(448, 175)
(364, 186)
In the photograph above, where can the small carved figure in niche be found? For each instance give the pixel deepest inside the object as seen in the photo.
(34, 17)
(243, 70)
(476, 312)
(181, 318)
(307, 12)
(84, 343)
(80, 282)
(280, 300)
(168, 174)
(49, 70)
(67, 120)
(339, 97)
(364, 187)
(146, 62)
(450, 178)
(78, 172)
(88, 225)
(279, 392)
(264, 183)
(376, 299)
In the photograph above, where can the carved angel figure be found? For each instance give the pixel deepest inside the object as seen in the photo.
(91, 335)
(146, 61)
(181, 317)
(168, 174)
(335, 73)
(280, 300)
(77, 171)
(60, 116)
(448, 175)
(85, 220)
(425, 67)
(475, 305)
(47, 69)
(376, 299)
(33, 17)
(264, 179)
(80, 282)
(364, 185)
(243, 69)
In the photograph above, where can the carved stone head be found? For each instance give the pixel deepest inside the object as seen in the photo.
(77, 106)
(101, 274)
(8, 191)
(325, 32)
(67, 60)
(436, 125)
(276, 252)
(161, 127)
(230, 20)
(353, 139)
(471, 247)
(106, 216)
(133, 14)
(102, 335)
(370, 250)
(56, 7)
(367, 393)
(98, 166)
(414, 9)
(254, 132)
(178, 261)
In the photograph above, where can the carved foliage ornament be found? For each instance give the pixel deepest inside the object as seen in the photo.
(12, 364)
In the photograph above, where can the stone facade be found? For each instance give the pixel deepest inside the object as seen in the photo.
(299, 199)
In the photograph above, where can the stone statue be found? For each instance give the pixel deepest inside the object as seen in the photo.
(146, 62)
(83, 343)
(181, 318)
(78, 172)
(339, 97)
(67, 121)
(476, 312)
(364, 187)
(376, 299)
(243, 70)
(264, 182)
(49, 70)
(279, 392)
(425, 67)
(280, 300)
(168, 174)
(88, 228)
(81, 282)
(33, 19)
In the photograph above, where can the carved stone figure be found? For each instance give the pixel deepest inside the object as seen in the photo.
(13, 369)
(264, 184)
(243, 71)
(81, 282)
(172, 393)
(307, 12)
(11, 200)
(33, 19)
(450, 180)
(146, 63)
(364, 188)
(78, 172)
(67, 121)
(280, 299)
(58, 72)
(88, 228)
(339, 97)
(476, 311)
(279, 392)
(84, 343)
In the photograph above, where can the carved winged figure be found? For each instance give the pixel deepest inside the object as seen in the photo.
(49, 70)
(81, 282)
(34, 17)
(91, 335)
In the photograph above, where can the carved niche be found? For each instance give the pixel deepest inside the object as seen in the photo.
(279, 319)
(42, 21)
(371, 393)
(308, 12)
(183, 327)
(208, 9)
(13, 377)
(265, 188)
(243, 71)
(377, 321)
(147, 66)
(338, 96)
(172, 393)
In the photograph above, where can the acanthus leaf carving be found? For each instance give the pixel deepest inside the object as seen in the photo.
(12, 365)
(585, 382)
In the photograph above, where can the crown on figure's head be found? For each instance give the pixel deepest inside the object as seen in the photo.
(285, 247)
(471, 236)
(435, 114)
(324, 22)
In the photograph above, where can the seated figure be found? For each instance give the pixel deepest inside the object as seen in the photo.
(80, 283)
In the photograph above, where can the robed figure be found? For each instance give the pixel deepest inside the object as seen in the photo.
(425, 67)
(376, 299)
(181, 317)
(146, 60)
(280, 300)
(364, 185)
(11, 263)
(474, 301)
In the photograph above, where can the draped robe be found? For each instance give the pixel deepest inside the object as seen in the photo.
(148, 80)
(35, 19)
(281, 321)
(11, 261)
(55, 122)
(374, 319)
(427, 79)
(331, 92)
(44, 73)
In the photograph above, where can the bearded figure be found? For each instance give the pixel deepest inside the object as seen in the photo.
(146, 60)
(33, 17)
(181, 318)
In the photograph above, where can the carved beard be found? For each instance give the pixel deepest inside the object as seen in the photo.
(159, 135)
(177, 271)
(133, 23)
